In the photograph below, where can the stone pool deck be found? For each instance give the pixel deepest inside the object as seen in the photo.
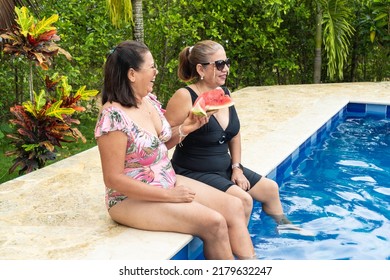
(58, 212)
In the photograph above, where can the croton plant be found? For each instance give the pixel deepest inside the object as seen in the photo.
(46, 120)
(33, 39)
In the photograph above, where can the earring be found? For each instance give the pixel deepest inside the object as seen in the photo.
(201, 77)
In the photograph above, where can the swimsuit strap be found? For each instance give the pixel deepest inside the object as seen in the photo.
(194, 96)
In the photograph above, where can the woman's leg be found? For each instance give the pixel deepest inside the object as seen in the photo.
(191, 218)
(267, 192)
(245, 198)
(232, 210)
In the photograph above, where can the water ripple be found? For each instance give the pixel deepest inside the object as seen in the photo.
(341, 193)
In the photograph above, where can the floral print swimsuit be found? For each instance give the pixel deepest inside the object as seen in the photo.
(146, 155)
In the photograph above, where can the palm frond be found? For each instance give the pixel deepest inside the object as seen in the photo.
(120, 11)
(7, 11)
(337, 32)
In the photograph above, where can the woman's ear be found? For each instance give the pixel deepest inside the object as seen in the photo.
(131, 75)
(200, 70)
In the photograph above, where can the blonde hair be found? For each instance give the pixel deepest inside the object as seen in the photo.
(189, 57)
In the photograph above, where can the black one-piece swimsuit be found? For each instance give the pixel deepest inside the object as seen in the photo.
(204, 154)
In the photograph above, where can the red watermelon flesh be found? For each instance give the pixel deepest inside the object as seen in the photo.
(211, 100)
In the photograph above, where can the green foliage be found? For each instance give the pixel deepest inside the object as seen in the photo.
(120, 11)
(88, 36)
(270, 42)
(252, 37)
(45, 121)
(33, 39)
(86, 127)
(380, 24)
(337, 33)
(29, 26)
(43, 124)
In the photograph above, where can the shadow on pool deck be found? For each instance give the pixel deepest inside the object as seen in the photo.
(58, 212)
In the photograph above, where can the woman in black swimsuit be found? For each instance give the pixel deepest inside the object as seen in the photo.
(212, 153)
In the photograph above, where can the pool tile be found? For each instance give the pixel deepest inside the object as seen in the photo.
(356, 108)
(284, 169)
(376, 110)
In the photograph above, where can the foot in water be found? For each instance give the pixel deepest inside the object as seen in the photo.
(293, 229)
(284, 226)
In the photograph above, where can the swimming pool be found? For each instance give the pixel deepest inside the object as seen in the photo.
(335, 185)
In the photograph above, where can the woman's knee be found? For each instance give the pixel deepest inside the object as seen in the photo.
(215, 226)
(238, 207)
(273, 188)
(245, 198)
(265, 189)
(247, 201)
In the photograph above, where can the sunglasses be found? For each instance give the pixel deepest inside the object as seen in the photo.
(219, 64)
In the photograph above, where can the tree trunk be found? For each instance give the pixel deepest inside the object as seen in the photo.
(354, 53)
(18, 99)
(30, 83)
(138, 21)
(318, 44)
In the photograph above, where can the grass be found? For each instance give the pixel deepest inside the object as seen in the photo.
(86, 127)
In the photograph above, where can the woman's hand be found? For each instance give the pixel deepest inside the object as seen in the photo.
(194, 122)
(181, 194)
(239, 179)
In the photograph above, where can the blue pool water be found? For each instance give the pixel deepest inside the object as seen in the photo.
(340, 192)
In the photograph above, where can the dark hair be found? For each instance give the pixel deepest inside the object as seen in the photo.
(116, 87)
(189, 57)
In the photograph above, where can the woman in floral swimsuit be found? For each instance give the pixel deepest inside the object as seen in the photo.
(142, 189)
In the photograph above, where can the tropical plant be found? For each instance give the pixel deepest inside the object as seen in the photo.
(334, 31)
(34, 40)
(127, 11)
(337, 33)
(7, 18)
(379, 21)
(45, 123)
(120, 12)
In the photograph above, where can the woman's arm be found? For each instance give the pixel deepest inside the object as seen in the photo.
(178, 109)
(235, 148)
(180, 117)
(238, 176)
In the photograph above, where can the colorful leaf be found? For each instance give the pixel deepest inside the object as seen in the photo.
(45, 25)
(44, 122)
(34, 108)
(372, 36)
(29, 147)
(86, 94)
(24, 19)
(49, 35)
(65, 53)
(55, 110)
(48, 145)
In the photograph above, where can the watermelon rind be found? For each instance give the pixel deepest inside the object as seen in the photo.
(198, 110)
(201, 108)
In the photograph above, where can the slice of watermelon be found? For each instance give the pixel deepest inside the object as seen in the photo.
(211, 100)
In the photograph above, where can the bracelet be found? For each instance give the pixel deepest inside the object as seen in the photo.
(237, 165)
(181, 136)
